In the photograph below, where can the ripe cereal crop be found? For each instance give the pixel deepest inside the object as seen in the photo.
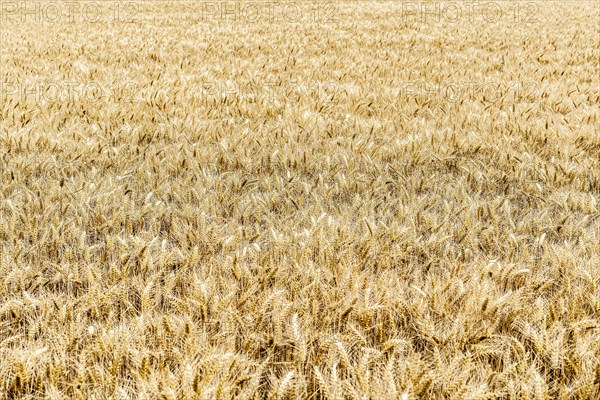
(346, 199)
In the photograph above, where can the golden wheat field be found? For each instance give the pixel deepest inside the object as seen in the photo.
(371, 200)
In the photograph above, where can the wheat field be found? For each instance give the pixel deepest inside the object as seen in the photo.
(312, 200)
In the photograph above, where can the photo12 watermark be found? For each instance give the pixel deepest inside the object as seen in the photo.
(269, 92)
(50, 92)
(461, 12)
(69, 11)
(272, 12)
(485, 92)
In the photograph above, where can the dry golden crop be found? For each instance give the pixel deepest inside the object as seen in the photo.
(308, 200)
